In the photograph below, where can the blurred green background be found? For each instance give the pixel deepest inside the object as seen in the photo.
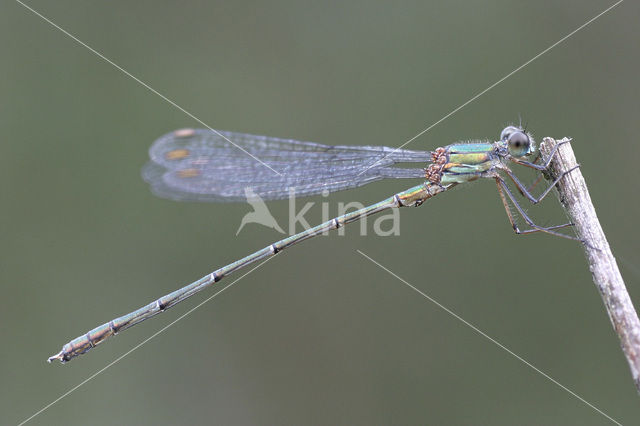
(319, 335)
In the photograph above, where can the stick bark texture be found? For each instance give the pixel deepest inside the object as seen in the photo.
(574, 196)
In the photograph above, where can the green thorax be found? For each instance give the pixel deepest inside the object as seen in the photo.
(466, 162)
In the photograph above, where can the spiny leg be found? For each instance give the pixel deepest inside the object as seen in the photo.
(536, 160)
(538, 179)
(504, 189)
(514, 225)
(525, 191)
(535, 182)
(532, 185)
(540, 176)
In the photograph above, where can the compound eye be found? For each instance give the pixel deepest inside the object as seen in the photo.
(508, 131)
(519, 143)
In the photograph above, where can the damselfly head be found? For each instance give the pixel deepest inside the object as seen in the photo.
(518, 141)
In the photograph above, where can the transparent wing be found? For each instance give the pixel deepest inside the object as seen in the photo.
(202, 165)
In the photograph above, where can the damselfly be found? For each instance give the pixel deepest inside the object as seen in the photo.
(205, 165)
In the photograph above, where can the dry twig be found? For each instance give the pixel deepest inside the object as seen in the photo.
(574, 196)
